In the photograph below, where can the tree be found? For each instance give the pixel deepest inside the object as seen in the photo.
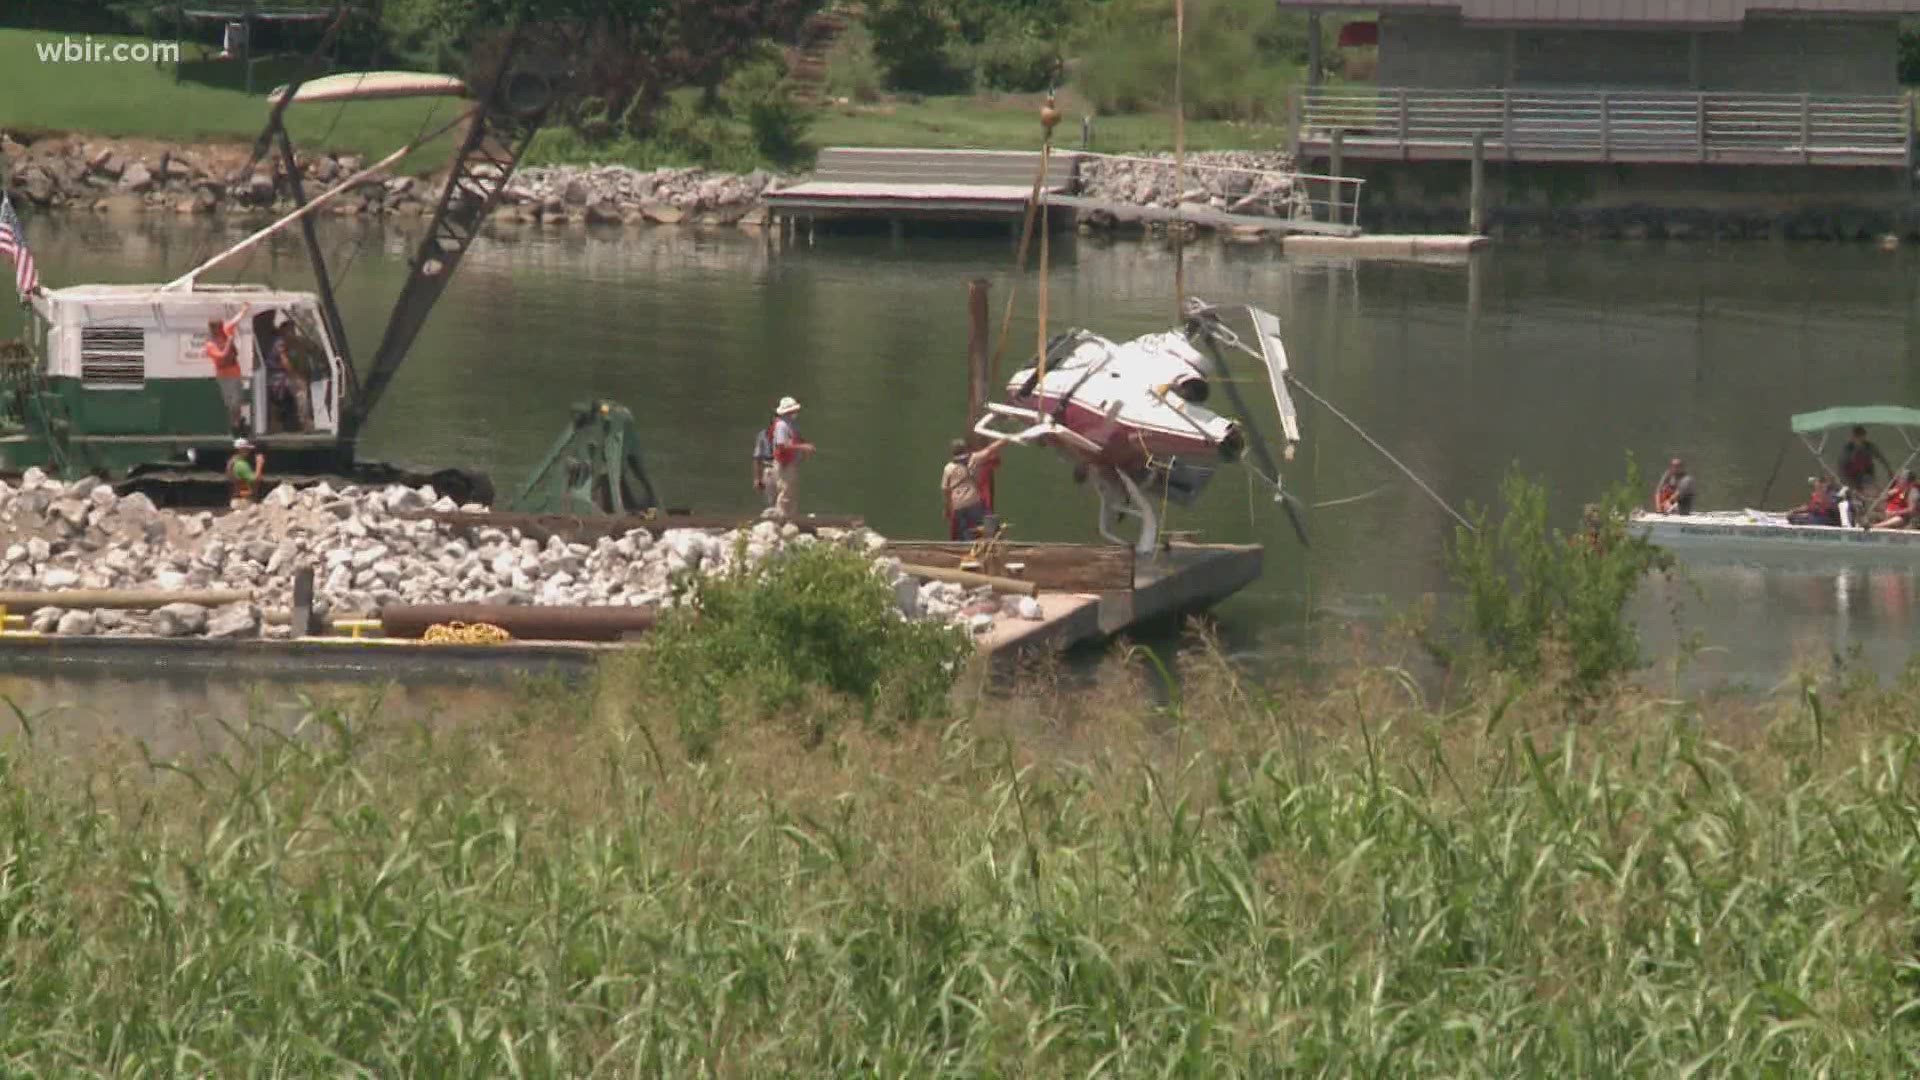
(627, 49)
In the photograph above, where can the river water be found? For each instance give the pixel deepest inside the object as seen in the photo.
(1562, 359)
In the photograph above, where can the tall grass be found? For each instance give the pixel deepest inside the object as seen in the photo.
(1251, 881)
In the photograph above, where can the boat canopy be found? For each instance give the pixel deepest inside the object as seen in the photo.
(1846, 416)
(373, 85)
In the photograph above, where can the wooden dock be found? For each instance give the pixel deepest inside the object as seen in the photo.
(921, 185)
(1384, 246)
(1185, 578)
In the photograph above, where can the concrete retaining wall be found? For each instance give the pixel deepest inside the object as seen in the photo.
(1616, 201)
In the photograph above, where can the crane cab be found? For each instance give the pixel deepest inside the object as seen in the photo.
(118, 375)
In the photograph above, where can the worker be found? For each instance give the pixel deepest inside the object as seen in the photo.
(244, 471)
(964, 485)
(288, 378)
(1901, 497)
(225, 354)
(1857, 458)
(788, 450)
(1821, 508)
(1591, 539)
(1674, 494)
(764, 480)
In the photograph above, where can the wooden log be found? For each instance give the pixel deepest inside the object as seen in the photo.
(969, 578)
(977, 388)
(121, 599)
(525, 621)
(1054, 567)
(582, 527)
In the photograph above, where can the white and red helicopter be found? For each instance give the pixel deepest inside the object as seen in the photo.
(1134, 415)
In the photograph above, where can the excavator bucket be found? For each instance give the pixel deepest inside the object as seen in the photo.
(593, 468)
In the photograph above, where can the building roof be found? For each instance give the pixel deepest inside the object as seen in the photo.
(1645, 13)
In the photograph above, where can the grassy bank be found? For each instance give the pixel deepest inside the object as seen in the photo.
(1334, 878)
(133, 100)
(141, 100)
(1011, 122)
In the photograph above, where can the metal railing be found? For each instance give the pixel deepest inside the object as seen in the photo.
(1610, 125)
(1228, 190)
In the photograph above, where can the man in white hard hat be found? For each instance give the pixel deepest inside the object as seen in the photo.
(788, 448)
(244, 470)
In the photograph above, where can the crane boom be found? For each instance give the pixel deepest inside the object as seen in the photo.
(510, 111)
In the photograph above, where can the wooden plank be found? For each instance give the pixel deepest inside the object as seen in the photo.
(120, 599)
(969, 578)
(579, 527)
(1054, 567)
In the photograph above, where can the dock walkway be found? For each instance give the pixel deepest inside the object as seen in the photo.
(898, 185)
(951, 185)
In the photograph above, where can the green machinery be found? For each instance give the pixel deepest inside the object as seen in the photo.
(593, 468)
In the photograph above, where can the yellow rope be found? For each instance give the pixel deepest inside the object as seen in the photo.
(459, 633)
(987, 549)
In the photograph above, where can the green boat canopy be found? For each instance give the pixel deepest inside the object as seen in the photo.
(1845, 416)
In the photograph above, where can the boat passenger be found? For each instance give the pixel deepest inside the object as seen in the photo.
(226, 364)
(244, 471)
(1901, 498)
(1674, 495)
(965, 486)
(1821, 508)
(1857, 458)
(788, 450)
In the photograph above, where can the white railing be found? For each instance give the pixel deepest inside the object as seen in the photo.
(1237, 190)
(1624, 126)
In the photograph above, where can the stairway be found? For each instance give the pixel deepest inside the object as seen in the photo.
(807, 57)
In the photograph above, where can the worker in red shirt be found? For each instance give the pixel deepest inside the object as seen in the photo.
(788, 450)
(224, 352)
(966, 488)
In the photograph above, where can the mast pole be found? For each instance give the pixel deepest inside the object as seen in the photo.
(1179, 160)
(1049, 116)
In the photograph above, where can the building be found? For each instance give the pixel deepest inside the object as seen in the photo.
(1708, 82)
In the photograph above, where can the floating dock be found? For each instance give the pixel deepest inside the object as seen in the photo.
(1385, 246)
(921, 185)
(1187, 577)
(1184, 579)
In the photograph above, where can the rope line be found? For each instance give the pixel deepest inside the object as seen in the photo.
(1383, 451)
(459, 633)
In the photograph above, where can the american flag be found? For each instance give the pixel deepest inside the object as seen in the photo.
(13, 244)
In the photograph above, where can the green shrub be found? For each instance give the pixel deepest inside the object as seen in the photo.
(1013, 60)
(1242, 57)
(1531, 590)
(919, 46)
(760, 641)
(852, 71)
(760, 94)
(1909, 57)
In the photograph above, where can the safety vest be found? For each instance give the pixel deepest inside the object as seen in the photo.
(238, 486)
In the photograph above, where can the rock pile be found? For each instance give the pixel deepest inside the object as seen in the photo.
(365, 556)
(613, 194)
(1235, 181)
(103, 175)
(61, 172)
